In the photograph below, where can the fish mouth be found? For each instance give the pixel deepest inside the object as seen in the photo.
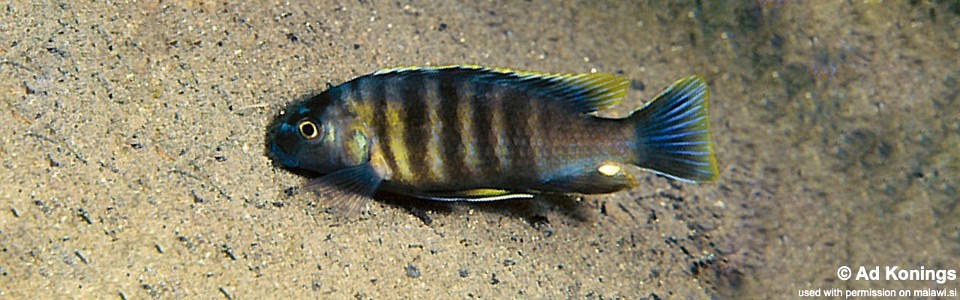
(285, 159)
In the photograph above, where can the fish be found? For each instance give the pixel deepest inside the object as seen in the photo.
(473, 133)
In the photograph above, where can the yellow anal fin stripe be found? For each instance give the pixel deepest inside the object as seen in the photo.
(584, 92)
(476, 195)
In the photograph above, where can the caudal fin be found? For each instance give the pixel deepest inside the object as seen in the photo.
(673, 133)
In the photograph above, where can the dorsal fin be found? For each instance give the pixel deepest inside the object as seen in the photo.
(583, 92)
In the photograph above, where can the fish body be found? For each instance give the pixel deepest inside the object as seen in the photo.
(465, 133)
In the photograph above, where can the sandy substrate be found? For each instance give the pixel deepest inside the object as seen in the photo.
(134, 163)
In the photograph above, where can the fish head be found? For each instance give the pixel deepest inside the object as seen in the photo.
(318, 135)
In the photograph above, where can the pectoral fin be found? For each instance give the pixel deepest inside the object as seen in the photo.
(347, 190)
(603, 178)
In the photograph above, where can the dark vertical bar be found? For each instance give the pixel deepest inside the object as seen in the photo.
(484, 130)
(417, 128)
(547, 126)
(453, 163)
(375, 90)
(517, 109)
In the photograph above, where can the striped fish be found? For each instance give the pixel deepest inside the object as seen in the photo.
(465, 133)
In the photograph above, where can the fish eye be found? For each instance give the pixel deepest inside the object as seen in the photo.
(308, 129)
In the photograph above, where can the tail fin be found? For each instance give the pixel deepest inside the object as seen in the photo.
(673, 133)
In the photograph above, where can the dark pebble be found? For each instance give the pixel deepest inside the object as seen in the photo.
(225, 293)
(412, 271)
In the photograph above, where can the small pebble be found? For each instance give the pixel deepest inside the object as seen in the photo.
(412, 271)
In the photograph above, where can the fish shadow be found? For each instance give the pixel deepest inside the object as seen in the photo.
(533, 211)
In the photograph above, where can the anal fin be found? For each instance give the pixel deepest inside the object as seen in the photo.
(602, 178)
